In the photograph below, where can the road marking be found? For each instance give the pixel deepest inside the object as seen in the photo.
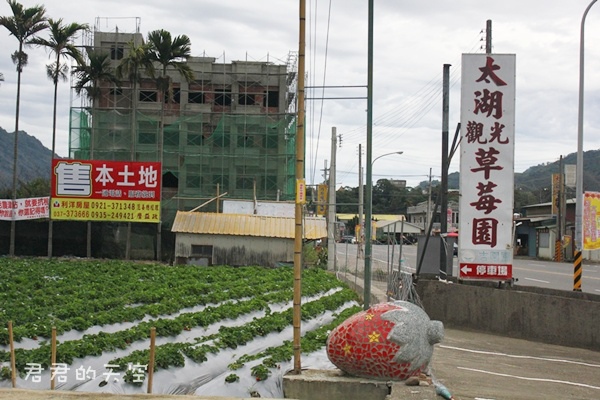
(570, 275)
(537, 263)
(494, 353)
(532, 379)
(536, 280)
(597, 290)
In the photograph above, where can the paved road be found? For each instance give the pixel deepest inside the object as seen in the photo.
(482, 366)
(555, 275)
(527, 271)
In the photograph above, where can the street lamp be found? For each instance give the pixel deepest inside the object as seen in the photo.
(368, 243)
(579, 173)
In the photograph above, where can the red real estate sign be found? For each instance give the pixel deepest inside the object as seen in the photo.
(100, 190)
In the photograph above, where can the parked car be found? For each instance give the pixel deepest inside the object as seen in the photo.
(348, 239)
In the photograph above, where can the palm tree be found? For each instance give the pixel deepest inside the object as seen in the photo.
(60, 44)
(130, 67)
(89, 77)
(24, 24)
(91, 74)
(167, 53)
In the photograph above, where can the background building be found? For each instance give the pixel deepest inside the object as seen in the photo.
(422, 213)
(230, 130)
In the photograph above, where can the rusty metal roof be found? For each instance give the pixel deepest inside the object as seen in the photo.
(246, 225)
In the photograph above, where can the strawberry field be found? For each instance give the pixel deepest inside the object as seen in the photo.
(219, 330)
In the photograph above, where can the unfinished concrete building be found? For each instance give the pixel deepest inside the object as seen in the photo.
(231, 130)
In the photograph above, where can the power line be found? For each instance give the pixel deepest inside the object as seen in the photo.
(323, 90)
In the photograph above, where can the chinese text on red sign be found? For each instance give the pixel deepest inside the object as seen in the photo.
(487, 166)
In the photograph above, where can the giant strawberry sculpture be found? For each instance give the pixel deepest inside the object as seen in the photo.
(390, 341)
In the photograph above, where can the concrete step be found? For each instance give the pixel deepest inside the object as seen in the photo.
(400, 392)
(20, 394)
(335, 384)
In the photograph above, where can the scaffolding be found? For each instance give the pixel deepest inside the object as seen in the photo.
(232, 129)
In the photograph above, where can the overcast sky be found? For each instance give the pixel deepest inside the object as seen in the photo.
(412, 41)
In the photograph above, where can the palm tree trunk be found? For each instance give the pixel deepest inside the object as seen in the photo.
(92, 133)
(11, 250)
(50, 227)
(161, 133)
(132, 150)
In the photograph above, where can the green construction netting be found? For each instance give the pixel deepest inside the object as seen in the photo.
(201, 150)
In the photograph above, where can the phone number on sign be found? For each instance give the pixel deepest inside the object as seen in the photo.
(112, 215)
(96, 205)
(100, 215)
(73, 214)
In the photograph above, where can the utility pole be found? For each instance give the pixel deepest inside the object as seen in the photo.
(488, 37)
(331, 255)
(299, 170)
(444, 186)
(563, 209)
(369, 202)
(559, 217)
(429, 216)
(578, 256)
(361, 200)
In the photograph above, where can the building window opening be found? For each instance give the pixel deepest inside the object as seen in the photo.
(247, 100)
(148, 96)
(196, 97)
(271, 99)
(202, 250)
(174, 97)
(222, 97)
(193, 181)
(244, 182)
(116, 52)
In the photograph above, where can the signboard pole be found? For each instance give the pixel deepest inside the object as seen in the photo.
(444, 186)
(579, 174)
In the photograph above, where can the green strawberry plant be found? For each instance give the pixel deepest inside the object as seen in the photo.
(38, 294)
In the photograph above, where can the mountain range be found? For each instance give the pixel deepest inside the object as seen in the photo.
(33, 159)
(34, 162)
(539, 177)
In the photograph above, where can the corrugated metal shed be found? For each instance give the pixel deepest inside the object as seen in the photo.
(246, 225)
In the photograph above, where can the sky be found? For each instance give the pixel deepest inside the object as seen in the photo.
(412, 42)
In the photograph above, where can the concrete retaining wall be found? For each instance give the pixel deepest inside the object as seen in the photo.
(548, 316)
(333, 384)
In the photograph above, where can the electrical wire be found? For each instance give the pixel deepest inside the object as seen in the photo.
(323, 89)
(407, 114)
(315, 141)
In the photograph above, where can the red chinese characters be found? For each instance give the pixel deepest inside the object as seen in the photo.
(109, 180)
(487, 166)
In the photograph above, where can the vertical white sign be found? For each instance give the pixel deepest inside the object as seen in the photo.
(487, 166)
